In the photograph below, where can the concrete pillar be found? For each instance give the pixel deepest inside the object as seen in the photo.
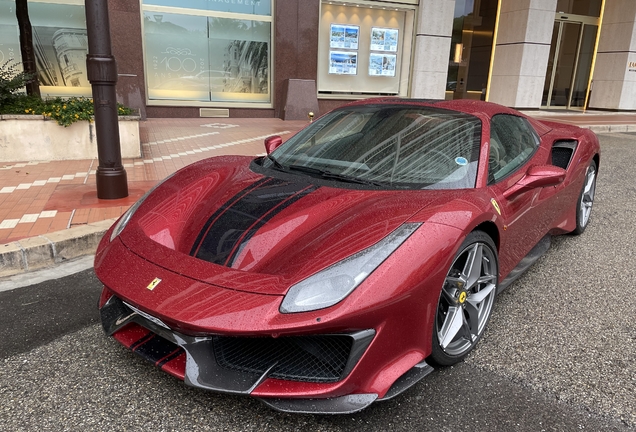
(432, 48)
(522, 51)
(614, 85)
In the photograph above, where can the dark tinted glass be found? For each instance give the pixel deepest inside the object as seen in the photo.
(580, 7)
(512, 142)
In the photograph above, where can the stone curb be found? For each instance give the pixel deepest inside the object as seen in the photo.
(618, 128)
(50, 249)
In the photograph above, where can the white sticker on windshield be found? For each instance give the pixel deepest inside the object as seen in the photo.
(461, 161)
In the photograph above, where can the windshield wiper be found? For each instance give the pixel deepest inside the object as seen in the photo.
(308, 170)
(351, 179)
(279, 166)
(335, 176)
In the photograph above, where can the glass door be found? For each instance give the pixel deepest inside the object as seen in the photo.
(570, 61)
(471, 49)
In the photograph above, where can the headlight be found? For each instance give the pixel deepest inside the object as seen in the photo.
(330, 286)
(123, 221)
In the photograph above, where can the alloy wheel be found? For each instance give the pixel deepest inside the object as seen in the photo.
(467, 299)
(587, 197)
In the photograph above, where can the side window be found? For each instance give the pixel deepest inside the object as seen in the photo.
(512, 142)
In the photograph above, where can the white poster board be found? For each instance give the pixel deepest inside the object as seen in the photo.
(343, 63)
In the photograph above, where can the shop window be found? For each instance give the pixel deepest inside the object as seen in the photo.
(252, 7)
(208, 51)
(9, 35)
(364, 49)
(60, 43)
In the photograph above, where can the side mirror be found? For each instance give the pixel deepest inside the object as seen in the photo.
(272, 143)
(537, 176)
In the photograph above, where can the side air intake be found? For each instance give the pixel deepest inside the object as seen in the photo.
(562, 152)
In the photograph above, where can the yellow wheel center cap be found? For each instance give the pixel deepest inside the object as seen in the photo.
(462, 297)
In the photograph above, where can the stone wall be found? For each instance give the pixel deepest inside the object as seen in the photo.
(34, 138)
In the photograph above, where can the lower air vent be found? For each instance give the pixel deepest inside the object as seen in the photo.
(214, 112)
(299, 358)
(562, 152)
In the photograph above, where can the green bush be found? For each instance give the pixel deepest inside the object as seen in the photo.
(12, 81)
(64, 111)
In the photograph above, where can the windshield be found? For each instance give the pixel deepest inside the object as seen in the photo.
(398, 146)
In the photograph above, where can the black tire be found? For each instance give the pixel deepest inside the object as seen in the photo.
(586, 199)
(450, 346)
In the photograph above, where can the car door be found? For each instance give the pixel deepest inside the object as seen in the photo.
(514, 146)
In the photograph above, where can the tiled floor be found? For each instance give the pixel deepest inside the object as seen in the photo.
(41, 197)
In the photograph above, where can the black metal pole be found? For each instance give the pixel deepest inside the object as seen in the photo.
(102, 74)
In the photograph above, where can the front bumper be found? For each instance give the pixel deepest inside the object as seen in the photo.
(187, 316)
(202, 361)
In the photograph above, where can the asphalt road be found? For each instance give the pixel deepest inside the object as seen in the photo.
(558, 355)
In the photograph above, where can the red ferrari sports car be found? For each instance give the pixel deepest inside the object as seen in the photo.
(344, 265)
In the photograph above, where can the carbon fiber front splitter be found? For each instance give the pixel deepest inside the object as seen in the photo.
(203, 371)
(350, 404)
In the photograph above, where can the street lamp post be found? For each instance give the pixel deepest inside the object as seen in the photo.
(102, 74)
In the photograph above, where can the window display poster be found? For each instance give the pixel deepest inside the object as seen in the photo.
(344, 36)
(10, 45)
(9, 35)
(242, 71)
(61, 56)
(343, 63)
(60, 43)
(382, 64)
(177, 62)
(384, 39)
(207, 58)
(252, 7)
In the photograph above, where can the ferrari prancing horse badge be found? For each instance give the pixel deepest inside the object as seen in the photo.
(152, 285)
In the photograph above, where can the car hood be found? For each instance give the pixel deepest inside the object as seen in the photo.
(219, 222)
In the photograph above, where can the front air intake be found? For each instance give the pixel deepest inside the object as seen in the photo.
(298, 358)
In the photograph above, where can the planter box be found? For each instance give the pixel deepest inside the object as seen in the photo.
(35, 138)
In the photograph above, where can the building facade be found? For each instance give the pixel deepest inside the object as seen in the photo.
(245, 58)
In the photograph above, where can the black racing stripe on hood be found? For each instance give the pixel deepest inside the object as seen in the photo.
(233, 225)
(221, 210)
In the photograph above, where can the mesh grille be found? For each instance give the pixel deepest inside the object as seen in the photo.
(298, 358)
(561, 156)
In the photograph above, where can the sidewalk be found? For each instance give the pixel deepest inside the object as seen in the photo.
(49, 211)
(598, 121)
